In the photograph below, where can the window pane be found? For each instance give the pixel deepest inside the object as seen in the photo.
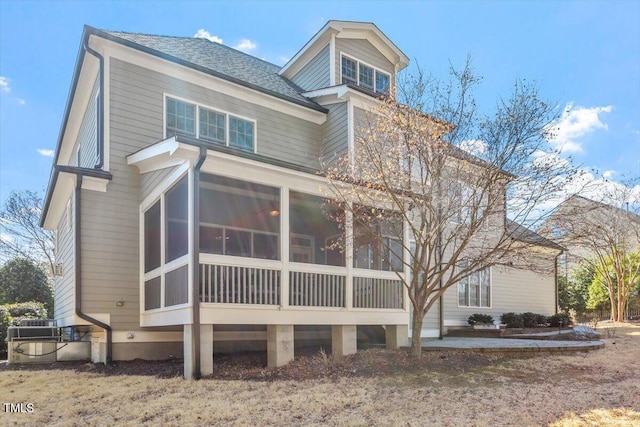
(265, 246)
(180, 118)
(177, 221)
(474, 290)
(212, 126)
(382, 83)
(152, 238)
(349, 71)
(485, 289)
(462, 293)
(238, 243)
(366, 76)
(211, 240)
(240, 134)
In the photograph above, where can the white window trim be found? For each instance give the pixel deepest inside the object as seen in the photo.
(199, 105)
(375, 71)
(479, 292)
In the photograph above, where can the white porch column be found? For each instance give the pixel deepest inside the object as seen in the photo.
(284, 246)
(206, 349)
(279, 345)
(397, 336)
(189, 351)
(343, 340)
(348, 259)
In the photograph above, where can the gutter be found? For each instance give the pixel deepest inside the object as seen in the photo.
(78, 270)
(100, 113)
(195, 251)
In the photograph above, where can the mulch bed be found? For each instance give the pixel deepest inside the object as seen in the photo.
(310, 363)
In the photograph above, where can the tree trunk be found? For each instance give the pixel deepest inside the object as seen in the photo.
(416, 331)
(621, 308)
(613, 301)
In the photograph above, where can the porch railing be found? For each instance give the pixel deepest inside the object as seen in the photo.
(229, 284)
(369, 292)
(232, 281)
(316, 289)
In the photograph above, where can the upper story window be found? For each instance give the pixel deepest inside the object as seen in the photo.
(356, 72)
(185, 118)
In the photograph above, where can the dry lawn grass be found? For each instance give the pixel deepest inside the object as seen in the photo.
(600, 388)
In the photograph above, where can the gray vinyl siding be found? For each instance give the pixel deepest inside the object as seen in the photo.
(361, 120)
(137, 115)
(110, 248)
(513, 290)
(64, 304)
(151, 180)
(88, 135)
(335, 133)
(364, 51)
(315, 74)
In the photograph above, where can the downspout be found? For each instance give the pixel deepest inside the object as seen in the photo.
(555, 278)
(441, 299)
(78, 270)
(100, 139)
(195, 250)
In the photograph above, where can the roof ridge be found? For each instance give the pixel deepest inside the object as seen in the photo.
(115, 32)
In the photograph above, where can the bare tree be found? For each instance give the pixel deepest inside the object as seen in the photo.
(605, 237)
(20, 233)
(428, 194)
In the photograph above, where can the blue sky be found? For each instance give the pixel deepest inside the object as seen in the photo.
(584, 55)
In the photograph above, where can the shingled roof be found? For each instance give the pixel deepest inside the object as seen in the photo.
(216, 59)
(523, 234)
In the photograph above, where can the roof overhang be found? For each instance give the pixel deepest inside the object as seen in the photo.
(61, 185)
(345, 29)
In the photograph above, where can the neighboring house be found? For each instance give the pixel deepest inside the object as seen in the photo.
(588, 228)
(187, 171)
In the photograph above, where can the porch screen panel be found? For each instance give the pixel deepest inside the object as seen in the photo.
(239, 218)
(175, 283)
(152, 238)
(177, 220)
(316, 226)
(378, 237)
(152, 293)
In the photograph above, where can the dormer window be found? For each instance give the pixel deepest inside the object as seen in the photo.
(349, 71)
(365, 76)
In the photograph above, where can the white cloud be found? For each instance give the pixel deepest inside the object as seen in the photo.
(45, 152)
(284, 59)
(6, 238)
(4, 84)
(204, 34)
(20, 101)
(246, 46)
(473, 146)
(573, 124)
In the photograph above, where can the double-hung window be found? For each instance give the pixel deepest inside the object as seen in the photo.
(475, 289)
(366, 76)
(181, 118)
(209, 125)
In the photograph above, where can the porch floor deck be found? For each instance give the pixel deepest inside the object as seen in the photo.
(508, 345)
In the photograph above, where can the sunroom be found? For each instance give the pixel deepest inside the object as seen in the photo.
(212, 223)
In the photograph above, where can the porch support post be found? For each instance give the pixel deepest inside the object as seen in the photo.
(189, 351)
(343, 340)
(397, 336)
(279, 345)
(206, 349)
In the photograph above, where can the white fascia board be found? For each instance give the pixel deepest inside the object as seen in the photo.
(341, 93)
(162, 155)
(88, 75)
(65, 184)
(370, 32)
(115, 50)
(308, 51)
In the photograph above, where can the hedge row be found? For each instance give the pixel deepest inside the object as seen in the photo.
(522, 320)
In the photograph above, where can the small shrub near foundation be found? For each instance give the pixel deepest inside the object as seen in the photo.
(512, 320)
(480, 319)
(559, 319)
(533, 320)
